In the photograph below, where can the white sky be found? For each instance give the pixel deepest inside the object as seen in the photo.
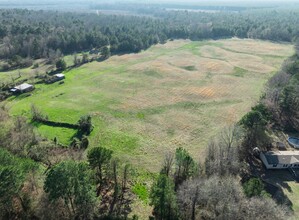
(201, 2)
(154, 1)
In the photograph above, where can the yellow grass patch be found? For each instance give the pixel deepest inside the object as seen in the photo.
(214, 66)
(257, 47)
(254, 66)
(173, 44)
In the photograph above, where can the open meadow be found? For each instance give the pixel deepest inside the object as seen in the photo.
(29, 74)
(143, 105)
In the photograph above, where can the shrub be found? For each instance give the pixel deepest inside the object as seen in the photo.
(255, 187)
(85, 125)
(5, 67)
(61, 64)
(84, 142)
(36, 65)
(37, 115)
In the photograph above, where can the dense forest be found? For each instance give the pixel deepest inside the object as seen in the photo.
(281, 98)
(27, 35)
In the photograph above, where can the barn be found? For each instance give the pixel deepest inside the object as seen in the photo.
(25, 87)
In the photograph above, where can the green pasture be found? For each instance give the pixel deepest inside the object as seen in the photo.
(143, 105)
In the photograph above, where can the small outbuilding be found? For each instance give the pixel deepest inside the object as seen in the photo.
(25, 87)
(59, 76)
(55, 78)
(280, 159)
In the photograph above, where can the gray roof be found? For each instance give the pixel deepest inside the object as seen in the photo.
(23, 86)
(282, 157)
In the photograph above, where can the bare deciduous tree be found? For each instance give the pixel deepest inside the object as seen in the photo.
(168, 163)
(209, 198)
(223, 154)
(223, 198)
(21, 137)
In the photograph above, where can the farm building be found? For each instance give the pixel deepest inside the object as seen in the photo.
(55, 78)
(59, 76)
(280, 159)
(25, 87)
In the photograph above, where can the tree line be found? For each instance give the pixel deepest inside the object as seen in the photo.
(27, 35)
(278, 108)
(282, 95)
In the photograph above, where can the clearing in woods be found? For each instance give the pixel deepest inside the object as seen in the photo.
(175, 95)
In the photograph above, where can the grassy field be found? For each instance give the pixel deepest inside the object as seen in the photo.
(14, 76)
(143, 105)
(175, 95)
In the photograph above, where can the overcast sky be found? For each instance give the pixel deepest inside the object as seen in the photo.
(154, 1)
(194, 2)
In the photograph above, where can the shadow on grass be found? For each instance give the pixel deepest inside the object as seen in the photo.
(22, 96)
(58, 124)
(54, 124)
(276, 181)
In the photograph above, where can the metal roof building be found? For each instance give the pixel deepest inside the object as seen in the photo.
(25, 87)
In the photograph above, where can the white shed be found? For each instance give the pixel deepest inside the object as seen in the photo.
(60, 76)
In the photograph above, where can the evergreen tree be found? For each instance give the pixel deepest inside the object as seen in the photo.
(13, 172)
(185, 166)
(98, 158)
(163, 198)
(254, 187)
(61, 65)
(71, 181)
(106, 52)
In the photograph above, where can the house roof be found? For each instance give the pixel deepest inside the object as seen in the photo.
(282, 157)
(59, 75)
(23, 86)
